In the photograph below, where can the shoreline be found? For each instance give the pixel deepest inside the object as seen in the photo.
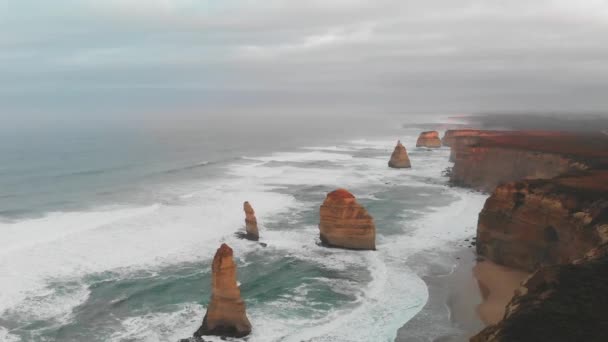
(465, 295)
(497, 285)
(453, 298)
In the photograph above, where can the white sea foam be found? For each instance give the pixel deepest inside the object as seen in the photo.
(114, 240)
(6, 336)
(161, 327)
(306, 156)
(77, 244)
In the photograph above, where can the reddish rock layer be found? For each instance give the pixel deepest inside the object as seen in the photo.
(558, 303)
(428, 139)
(399, 158)
(483, 162)
(226, 311)
(542, 222)
(345, 223)
(251, 223)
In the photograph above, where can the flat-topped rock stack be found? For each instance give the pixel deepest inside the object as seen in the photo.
(251, 223)
(345, 223)
(429, 139)
(484, 160)
(226, 311)
(399, 158)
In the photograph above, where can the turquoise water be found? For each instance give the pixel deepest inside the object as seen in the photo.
(116, 244)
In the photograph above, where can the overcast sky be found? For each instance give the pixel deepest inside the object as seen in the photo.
(114, 57)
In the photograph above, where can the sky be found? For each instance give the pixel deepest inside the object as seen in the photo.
(115, 58)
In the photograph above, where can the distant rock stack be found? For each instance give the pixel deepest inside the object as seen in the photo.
(399, 158)
(251, 223)
(226, 311)
(345, 223)
(429, 139)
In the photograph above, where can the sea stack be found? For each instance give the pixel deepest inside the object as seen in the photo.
(226, 311)
(251, 223)
(345, 223)
(429, 139)
(399, 158)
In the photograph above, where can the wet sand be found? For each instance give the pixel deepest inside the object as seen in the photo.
(464, 296)
(450, 312)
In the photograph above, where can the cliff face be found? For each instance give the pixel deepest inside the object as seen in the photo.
(399, 158)
(543, 222)
(428, 139)
(345, 223)
(226, 311)
(251, 223)
(558, 303)
(483, 162)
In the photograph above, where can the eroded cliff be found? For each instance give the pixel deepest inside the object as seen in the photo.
(558, 303)
(530, 223)
(483, 162)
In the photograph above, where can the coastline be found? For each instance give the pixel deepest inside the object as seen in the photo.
(453, 298)
(497, 285)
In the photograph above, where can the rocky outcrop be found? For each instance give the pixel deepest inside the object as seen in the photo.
(399, 158)
(345, 223)
(483, 162)
(531, 223)
(251, 223)
(558, 303)
(428, 139)
(226, 311)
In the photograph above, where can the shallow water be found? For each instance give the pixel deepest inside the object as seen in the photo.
(137, 269)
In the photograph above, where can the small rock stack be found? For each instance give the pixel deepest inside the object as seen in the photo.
(251, 223)
(226, 311)
(399, 158)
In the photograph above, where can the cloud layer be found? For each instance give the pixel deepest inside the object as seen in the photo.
(386, 55)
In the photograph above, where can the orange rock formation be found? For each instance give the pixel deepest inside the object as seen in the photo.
(429, 139)
(531, 223)
(483, 162)
(226, 311)
(345, 223)
(399, 158)
(251, 223)
(558, 303)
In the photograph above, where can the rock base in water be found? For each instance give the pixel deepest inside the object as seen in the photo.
(251, 223)
(429, 139)
(345, 223)
(399, 158)
(226, 311)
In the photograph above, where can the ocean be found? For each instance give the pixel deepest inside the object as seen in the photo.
(108, 231)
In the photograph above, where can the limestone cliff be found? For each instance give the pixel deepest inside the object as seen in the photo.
(251, 223)
(483, 162)
(428, 139)
(226, 311)
(530, 223)
(558, 303)
(399, 158)
(345, 223)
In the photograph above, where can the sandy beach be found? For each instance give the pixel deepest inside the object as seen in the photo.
(465, 295)
(453, 298)
(497, 285)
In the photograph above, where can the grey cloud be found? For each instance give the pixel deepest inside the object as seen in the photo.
(390, 55)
